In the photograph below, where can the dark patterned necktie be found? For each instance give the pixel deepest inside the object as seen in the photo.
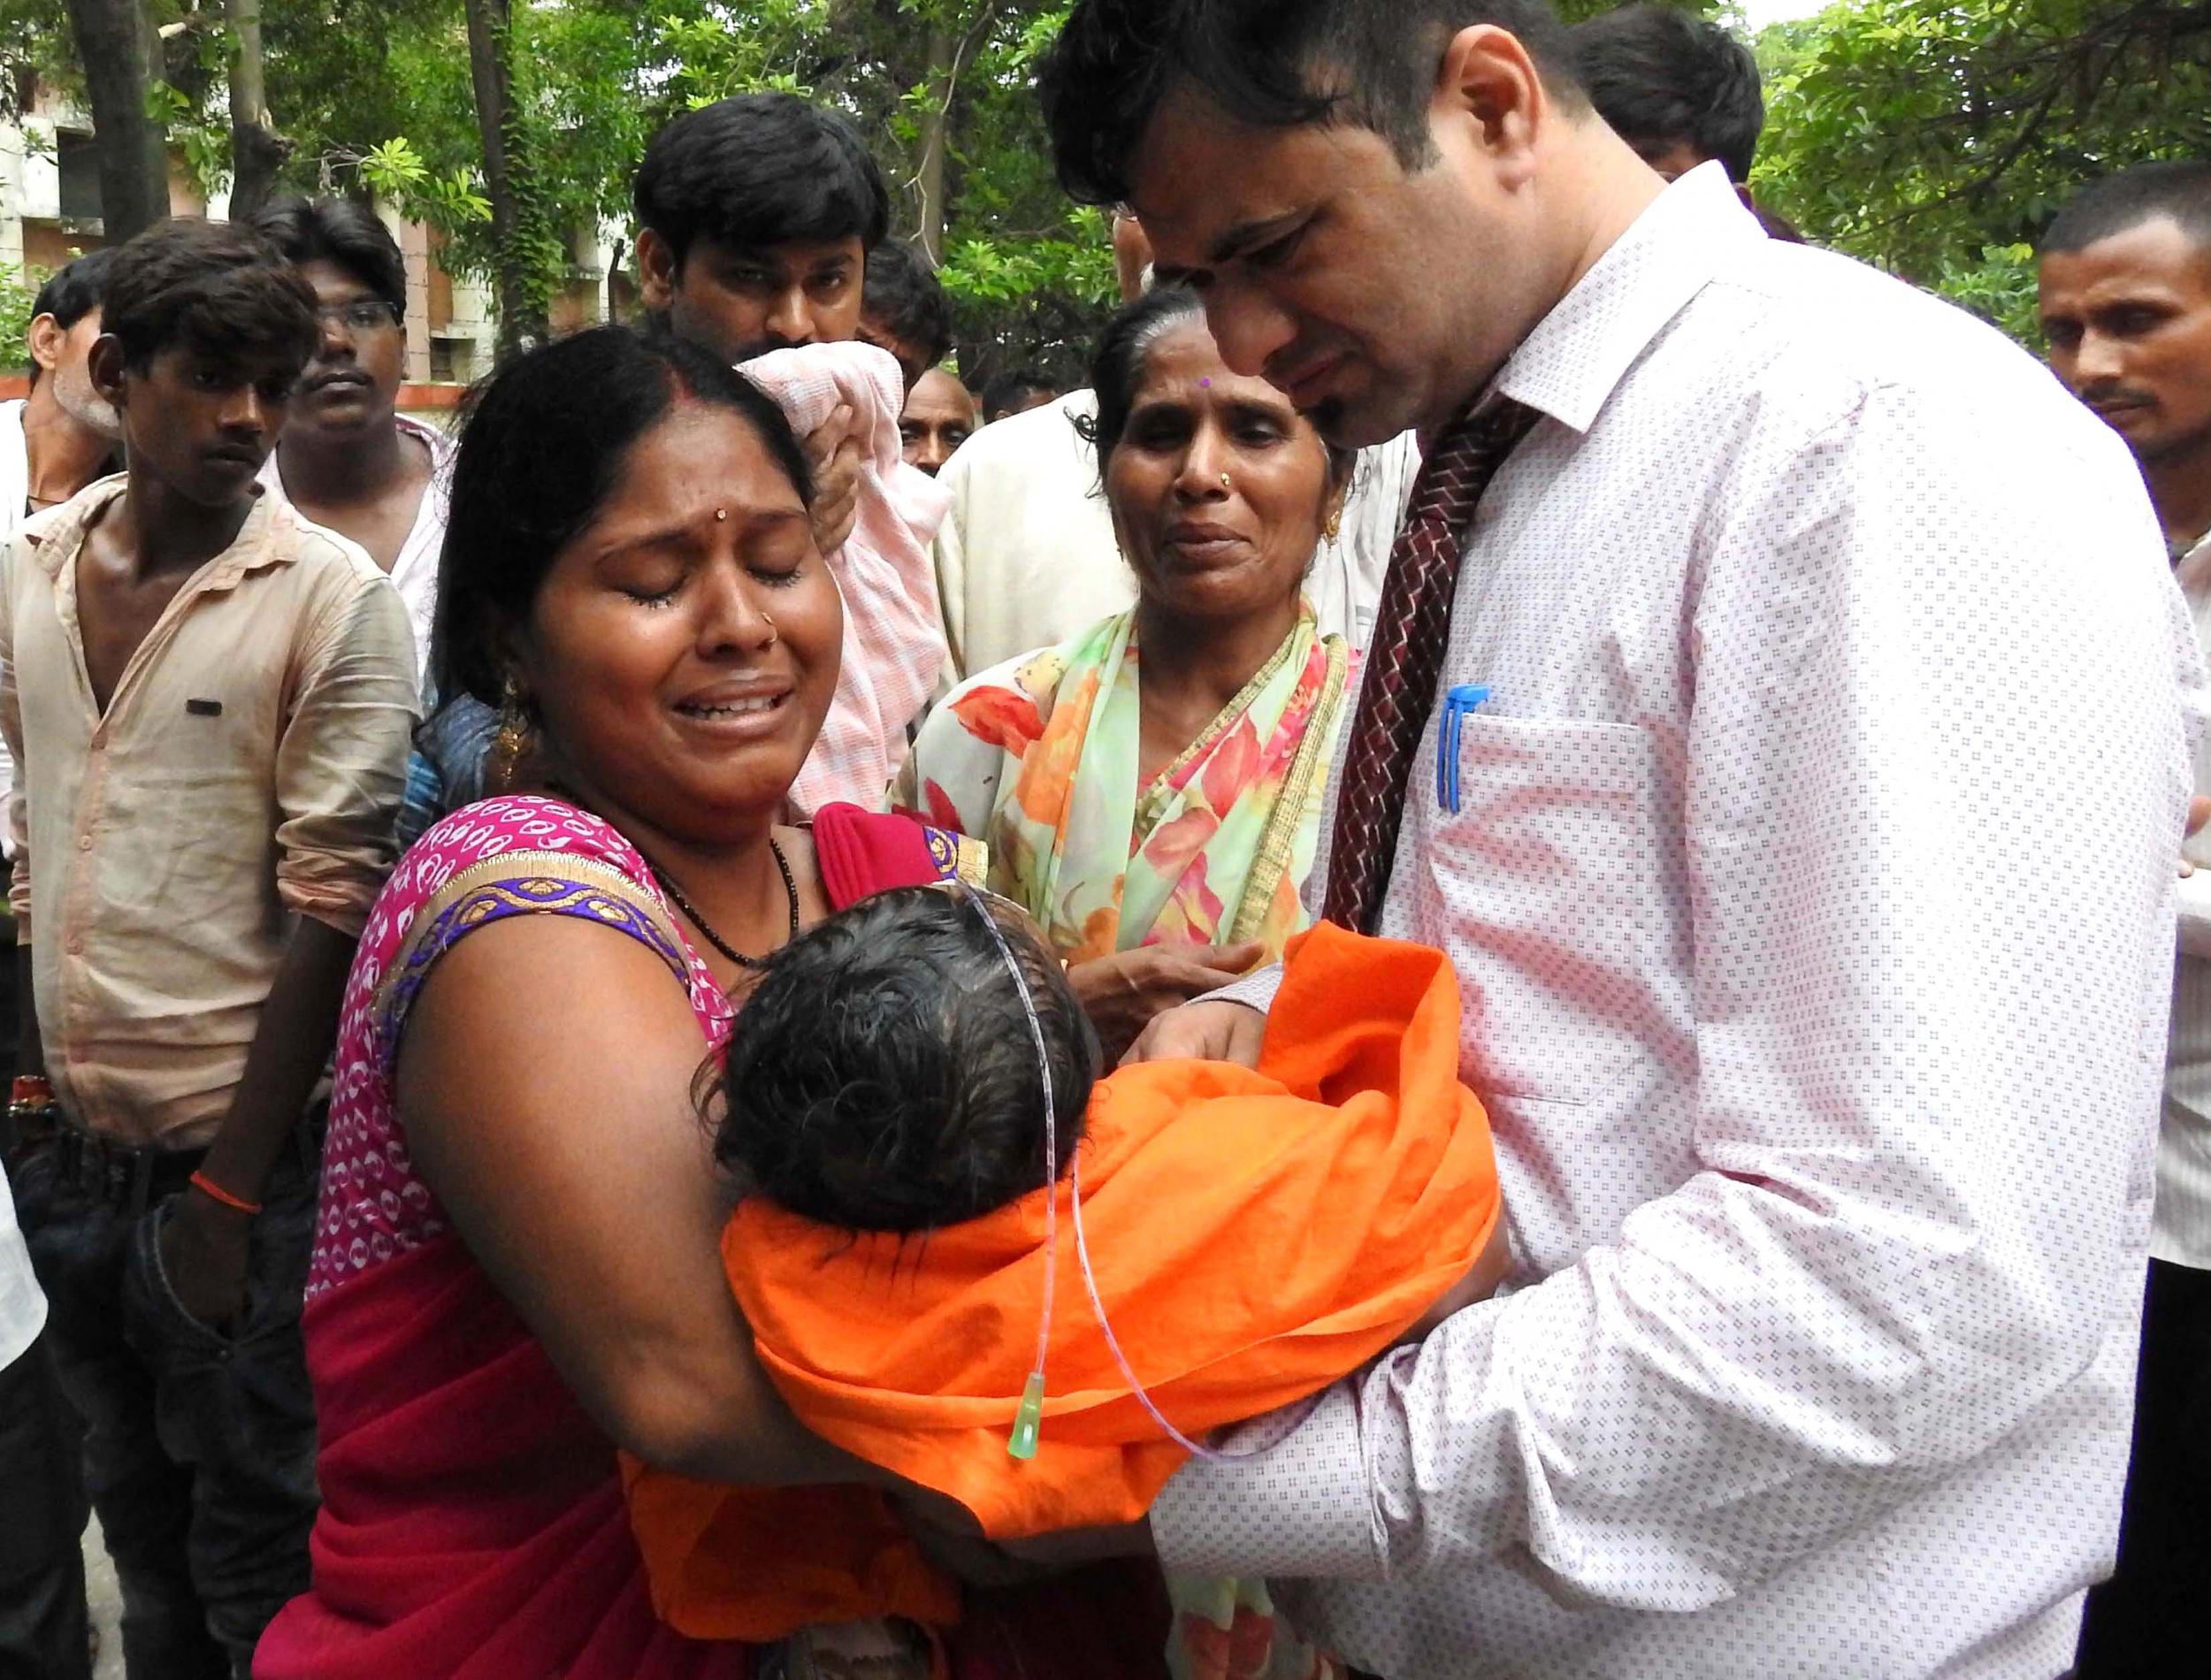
(1413, 626)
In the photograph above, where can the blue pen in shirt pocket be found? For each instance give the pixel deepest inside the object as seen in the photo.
(1457, 705)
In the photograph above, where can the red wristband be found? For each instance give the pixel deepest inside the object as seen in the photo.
(215, 1192)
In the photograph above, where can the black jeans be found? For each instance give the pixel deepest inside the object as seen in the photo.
(2152, 1620)
(42, 1634)
(199, 1445)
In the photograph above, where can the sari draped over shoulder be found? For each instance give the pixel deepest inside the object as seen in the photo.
(1039, 758)
(473, 1526)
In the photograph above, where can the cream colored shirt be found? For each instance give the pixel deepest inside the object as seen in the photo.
(2182, 1233)
(248, 767)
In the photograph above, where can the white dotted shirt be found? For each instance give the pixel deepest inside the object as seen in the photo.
(1811, 883)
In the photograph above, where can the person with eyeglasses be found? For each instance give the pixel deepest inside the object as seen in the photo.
(348, 460)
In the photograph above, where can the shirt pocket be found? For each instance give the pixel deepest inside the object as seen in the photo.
(1547, 886)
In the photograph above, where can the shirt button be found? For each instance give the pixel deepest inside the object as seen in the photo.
(76, 947)
(84, 843)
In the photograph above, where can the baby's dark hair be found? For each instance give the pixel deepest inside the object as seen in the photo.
(882, 1076)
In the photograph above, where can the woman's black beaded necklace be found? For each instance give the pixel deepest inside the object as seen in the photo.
(676, 897)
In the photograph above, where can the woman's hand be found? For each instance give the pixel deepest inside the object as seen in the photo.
(1122, 993)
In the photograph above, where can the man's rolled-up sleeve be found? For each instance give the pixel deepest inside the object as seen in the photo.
(341, 766)
(1917, 1170)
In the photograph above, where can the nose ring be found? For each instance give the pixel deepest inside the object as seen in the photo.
(1224, 481)
(773, 634)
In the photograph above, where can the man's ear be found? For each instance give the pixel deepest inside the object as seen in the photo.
(1489, 87)
(47, 337)
(105, 365)
(657, 270)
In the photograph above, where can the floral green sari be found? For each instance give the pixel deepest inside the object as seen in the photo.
(1038, 758)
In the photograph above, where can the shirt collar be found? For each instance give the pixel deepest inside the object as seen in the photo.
(54, 544)
(1578, 354)
(2192, 566)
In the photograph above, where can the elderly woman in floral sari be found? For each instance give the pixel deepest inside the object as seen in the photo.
(1150, 792)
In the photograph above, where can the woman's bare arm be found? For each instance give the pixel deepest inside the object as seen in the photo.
(545, 1078)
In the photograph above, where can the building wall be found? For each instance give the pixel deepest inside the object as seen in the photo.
(451, 325)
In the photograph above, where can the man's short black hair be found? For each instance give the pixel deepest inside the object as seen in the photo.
(1010, 391)
(337, 230)
(217, 287)
(2144, 194)
(1662, 78)
(902, 299)
(1275, 64)
(759, 170)
(73, 292)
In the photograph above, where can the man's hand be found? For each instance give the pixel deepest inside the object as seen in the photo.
(1122, 994)
(204, 1251)
(832, 452)
(2198, 813)
(1218, 1032)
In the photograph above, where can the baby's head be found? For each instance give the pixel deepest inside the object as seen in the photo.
(882, 1076)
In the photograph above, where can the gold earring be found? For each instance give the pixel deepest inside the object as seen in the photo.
(511, 743)
(1334, 526)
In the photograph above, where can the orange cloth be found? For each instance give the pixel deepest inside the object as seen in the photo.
(1255, 1236)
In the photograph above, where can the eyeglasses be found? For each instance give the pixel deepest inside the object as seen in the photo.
(362, 314)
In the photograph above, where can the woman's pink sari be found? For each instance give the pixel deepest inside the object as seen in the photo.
(472, 1523)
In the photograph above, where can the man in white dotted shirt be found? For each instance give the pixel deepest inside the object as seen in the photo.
(2126, 306)
(1808, 867)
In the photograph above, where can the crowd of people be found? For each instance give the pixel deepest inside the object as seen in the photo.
(1620, 791)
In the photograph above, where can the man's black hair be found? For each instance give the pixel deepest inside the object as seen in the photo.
(1662, 78)
(542, 446)
(759, 170)
(902, 299)
(337, 230)
(73, 292)
(2145, 193)
(217, 287)
(1274, 64)
(1006, 393)
(882, 1076)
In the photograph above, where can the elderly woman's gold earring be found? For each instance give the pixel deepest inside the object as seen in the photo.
(511, 743)
(1330, 531)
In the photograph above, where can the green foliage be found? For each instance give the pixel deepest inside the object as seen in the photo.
(1937, 137)
(17, 291)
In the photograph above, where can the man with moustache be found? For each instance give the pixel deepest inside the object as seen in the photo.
(1693, 701)
(348, 460)
(2126, 306)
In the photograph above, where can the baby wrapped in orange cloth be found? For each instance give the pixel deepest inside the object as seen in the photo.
(1252, 1235)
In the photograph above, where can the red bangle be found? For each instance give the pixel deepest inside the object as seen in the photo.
(208, 1188)
(34, 1088)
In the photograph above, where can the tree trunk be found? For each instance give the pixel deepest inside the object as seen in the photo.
(935, 141)
(115, 46)
(522, 319)
(257, 150)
